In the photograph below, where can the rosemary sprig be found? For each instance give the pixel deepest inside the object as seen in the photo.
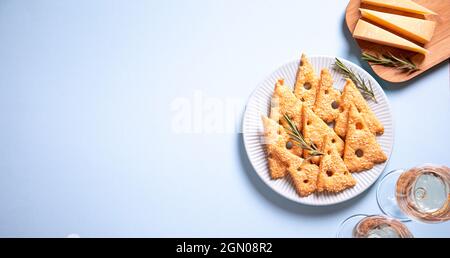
(296, 136)
(364, 86)
(391, 60)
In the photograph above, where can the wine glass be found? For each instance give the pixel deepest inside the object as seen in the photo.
(420, 193)
(373, 226)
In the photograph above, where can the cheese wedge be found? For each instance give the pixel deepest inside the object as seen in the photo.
(415, 29)
(402, 5)
(372, 33)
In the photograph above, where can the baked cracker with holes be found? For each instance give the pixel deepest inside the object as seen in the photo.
(351, 95)
(283, 103)
(276, 137)
(303, 174)
(333, 174)
(306, 83)
(362, 151)
(314, 129)
(327, 99)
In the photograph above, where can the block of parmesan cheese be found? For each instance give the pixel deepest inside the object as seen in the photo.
(416, 29)
(375, 34)
(401, 5)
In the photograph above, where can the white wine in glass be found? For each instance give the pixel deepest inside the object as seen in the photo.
(374, 226)
(420, 193)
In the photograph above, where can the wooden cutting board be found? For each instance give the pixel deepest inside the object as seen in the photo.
(439, 46)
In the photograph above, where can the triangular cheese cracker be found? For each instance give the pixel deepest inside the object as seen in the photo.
(362, 151)
(283, 103)
(302, 173)
(340, 124)
(304, 177)
(314, 129)
(276, 137)
(327, 99)
(351, 95)
(333, 174)
(306, 83)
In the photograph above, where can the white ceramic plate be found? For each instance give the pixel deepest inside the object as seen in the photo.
(259, 103)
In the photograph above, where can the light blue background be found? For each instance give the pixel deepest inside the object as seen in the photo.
(86, 145)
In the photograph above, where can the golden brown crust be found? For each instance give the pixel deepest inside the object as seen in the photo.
(305, 179)
(340, 123)
(327, 99)
(311, 108)
(351, 95)
(277, 168)
(333, 174)
(282, 161)
(285, 102)
(314, 129)
(276, 137)
(362, 151)
(302, 173)
(306, 83)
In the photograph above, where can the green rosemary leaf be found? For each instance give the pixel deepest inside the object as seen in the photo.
(296, 136)
(364, 86)
(390, 60)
